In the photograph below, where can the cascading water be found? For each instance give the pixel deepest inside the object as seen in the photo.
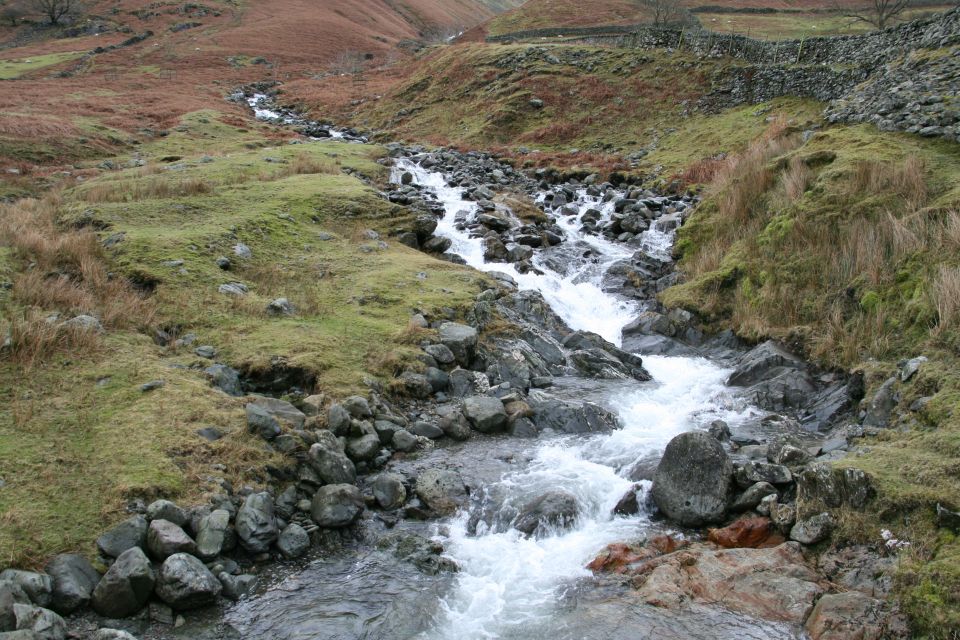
(511, 586)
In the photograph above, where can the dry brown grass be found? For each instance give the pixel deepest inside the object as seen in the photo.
(796, 179)
(906, 180)
(135, 191)
(66, 272)
(945, 297)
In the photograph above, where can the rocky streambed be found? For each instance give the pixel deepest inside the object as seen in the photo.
(549, 469)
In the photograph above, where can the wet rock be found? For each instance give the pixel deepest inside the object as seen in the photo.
(842, 616)
(235, 587)
(126, 586)
(442, 490)
(552, 510)
(45, 624)
(126, 535)
(294, 541)
(166, 510)
(485, 414)
(763, 362)
(225, 378)
(720, 430)
(455, 426)
(212, 534)
(404, 441)
(693, 499)
(330, 462)
(813, 529)
(551, 413)
(426, 430)
(185, 583)
(460, 339)
(37, 586)
(336, 505)
(165, 539)
(256, 525)
(750, 498)
(746, 532)
(388, 491)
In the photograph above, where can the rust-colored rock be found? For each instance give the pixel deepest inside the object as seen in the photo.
(751, 533)
(623, 558)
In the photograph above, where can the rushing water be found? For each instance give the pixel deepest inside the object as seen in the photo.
(513, 587)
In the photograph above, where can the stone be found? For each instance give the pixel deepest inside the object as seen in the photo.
(719, 430)
(426, 430)
(693, 499)
(358, 407)
(37, 586)
(763, 362)
(206, 351)
(551, 510)
(565, 417)
(846, 616)
(460, 339)
(113, 634)
(484, 413)
(233, 289)
(312, 405)
(84, 323)
(336, 505)
(280, 307)
(749, 473)
(212, 534)
(261, 423)
(164, 539)
(910, 368)
(441, 353)
(10, 594)
(225, 378)
(813, 529)
(126, 586)
(242, 251)
(438, 379)
(882, 405)
(74, 580)
(746, 532)
(45, 624)
(166, 510)
(442, 490)
(752, 496)
(282, 411)
(456, 426)
(185, 583)
(126, 535)
(403, 440)
(330, 463)
(294, 541)
(389, 491)
(363, 448)
(256, 525)
(235, 587)
(416, 385)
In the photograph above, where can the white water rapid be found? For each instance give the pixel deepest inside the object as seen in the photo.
(512, 587)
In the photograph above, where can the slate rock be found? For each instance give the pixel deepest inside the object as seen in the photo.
(336, 505)
(74, 580)
(126, 586)
(184, 583)
(128, 534)
(256, 525)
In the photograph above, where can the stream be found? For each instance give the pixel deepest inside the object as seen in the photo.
(510, 586)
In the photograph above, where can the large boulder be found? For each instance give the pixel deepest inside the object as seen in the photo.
(842, 616)
(336, 505)
(37, 586)
(565, 417)
(485, 414)
(763, 362)
(45, 624)
(126, 586)
(813, 529)
(327, 458)
(126, 535)
(460, 339)
(256, 524)
(442, 490)
(165, 539)
(74, 580)
(185, 583)
(553, 509)
(693, 480)
(212, 533)
(166, 510)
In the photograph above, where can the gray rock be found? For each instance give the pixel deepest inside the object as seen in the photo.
(910, 368)
(358, 407)
(235, 587)
(693, 499)
(441, 353)
(212, 533)
(294, 541)
(233, 289)
(719, 430)
(84, 323)
(225, 378)
(206, 351)
(551, 413)
(748, 473)
(416, 385)
(313, 405)
(813, 529)
(426, 429)
(442, 490)
(750, 498)
(165, 539)
(113, 634)
(45, 624)
(330, 462)
(338, 419)
(261, 422)
(10, 594)
(280, 307)
(166, 510)
(783, 516)
(363, 448)
(185, 583)
(439, 380)
(484, 413)
(388, 491)
(403, 440)
(763, 362)
(456, 426)
(37, 586)
(282, 411)
(126, 586)
(460, 339)
(18, 635)
(553, 509)
(242, 251)
(882, 405)
(128, 534)
(256, 525)
(336, 505)
(74, 580)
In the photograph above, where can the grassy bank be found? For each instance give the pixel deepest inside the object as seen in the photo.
(78, 438)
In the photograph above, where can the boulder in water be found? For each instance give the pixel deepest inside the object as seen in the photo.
(552, 509)
(693, 499)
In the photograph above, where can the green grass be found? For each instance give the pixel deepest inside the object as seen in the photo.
(13, 68)
(74, 451)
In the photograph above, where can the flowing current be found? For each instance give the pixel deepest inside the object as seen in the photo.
(513, 587)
